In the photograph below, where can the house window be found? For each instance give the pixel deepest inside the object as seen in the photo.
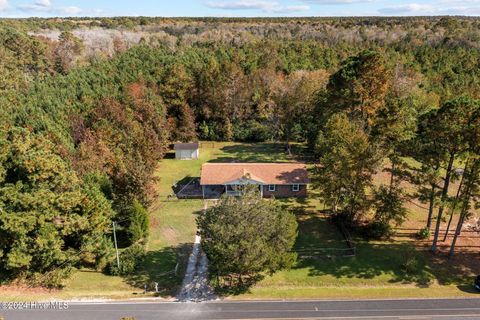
(272, 187)
(295, 187)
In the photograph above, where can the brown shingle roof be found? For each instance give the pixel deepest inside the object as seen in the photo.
(266, 173)
(186, 146)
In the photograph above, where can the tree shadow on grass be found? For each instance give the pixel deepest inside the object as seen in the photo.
(159, 267)
(371, 261)
(460, 269)
(169, 155)
(225, 288)
(317, 231)
(395, 261)
(385, 261)
(266, 152)
(468, 288)
(300, 205)
(5, 277)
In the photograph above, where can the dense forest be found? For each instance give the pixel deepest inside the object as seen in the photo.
(89, 106)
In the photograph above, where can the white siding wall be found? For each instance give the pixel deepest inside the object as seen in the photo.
(186, 154)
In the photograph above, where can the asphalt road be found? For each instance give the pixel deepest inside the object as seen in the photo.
(369, 309)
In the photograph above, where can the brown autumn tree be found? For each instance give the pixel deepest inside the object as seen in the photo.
(125, 140)
(360, 86)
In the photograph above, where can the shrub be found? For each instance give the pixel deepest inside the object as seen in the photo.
(138, 228)
(209, 131)
(252, 131)
(130, 260)
(51, 279)
(97, 253)
(410, 262)
(424, 233)
(377, 230)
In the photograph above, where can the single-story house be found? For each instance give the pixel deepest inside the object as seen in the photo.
(186, 151)
(281, 180)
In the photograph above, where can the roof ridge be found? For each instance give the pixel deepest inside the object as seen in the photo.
(253, 163)
(266, 173)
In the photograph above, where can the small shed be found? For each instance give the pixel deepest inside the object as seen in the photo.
(186, 151)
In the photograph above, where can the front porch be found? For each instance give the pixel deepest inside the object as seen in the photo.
(235, 190)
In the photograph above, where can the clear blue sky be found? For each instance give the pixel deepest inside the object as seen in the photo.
(234, 8)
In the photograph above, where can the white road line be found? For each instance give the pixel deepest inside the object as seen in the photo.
(363, 317)
(200, 310)
(261, 301)
(349, 300)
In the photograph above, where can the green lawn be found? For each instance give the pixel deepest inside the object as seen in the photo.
(172, 231)
(376, 272)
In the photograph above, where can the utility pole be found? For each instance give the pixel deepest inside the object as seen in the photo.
(116, 247)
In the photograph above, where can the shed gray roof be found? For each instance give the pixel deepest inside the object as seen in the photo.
(186, 146)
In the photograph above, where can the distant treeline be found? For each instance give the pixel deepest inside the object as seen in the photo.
(132, 22)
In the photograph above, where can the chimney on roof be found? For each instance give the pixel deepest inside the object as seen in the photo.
(246, 174)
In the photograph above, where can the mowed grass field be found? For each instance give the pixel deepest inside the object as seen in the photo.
(377, 271)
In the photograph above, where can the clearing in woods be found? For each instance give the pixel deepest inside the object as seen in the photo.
(377, 271)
